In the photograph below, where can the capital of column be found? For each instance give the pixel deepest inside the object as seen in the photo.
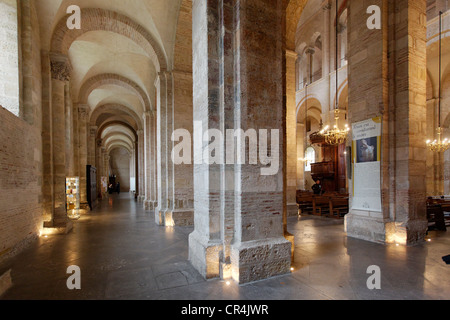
(146, 115)
(291, 54)
(60, 66)
(93, 130)
(163, 74)
(83, 111)
(327, 6)
(310, 50)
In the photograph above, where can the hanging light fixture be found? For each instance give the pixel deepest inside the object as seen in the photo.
(439, 145)
(336, 136)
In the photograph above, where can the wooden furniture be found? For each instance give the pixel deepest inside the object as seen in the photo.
(438, 213)
(91, 186)
(332, 170)
(435, 216)
(333, 205)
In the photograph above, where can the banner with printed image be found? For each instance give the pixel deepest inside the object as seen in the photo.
(366, 160)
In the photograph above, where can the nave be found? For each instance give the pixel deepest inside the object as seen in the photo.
(124, 255)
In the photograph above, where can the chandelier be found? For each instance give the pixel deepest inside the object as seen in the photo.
(336, 136)
(439, 145)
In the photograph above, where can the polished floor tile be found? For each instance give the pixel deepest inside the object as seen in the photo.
(123, 255)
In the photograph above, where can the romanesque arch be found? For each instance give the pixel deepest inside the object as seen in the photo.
(95, 19)
(113, 79)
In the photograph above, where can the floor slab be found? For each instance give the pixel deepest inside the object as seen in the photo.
(124, 255)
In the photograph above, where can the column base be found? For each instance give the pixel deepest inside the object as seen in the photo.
(149, 205)
(204, 255)
(259, 260)
(160, 215)
(179, 218)
(292, 209)
(372, 227)
(58, 228)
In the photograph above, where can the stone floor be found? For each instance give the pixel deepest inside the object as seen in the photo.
(124, 255)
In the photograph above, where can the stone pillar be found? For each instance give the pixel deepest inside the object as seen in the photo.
(141, 167)
(92, 145)
(148, 163)
(154, 159)
(326, 63)
(69, 131)
(387, 78)
(60, 75)
(47, 149)
(310, 58)
(238, 211)
(106, 160)
(99, 165)
(165, 167)
(291, 135)
(83, 116)
(183, 208)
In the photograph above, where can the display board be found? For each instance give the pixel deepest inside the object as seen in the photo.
(73, 197)
(366, 165)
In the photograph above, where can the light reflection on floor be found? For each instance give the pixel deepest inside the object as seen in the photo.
(123, 254)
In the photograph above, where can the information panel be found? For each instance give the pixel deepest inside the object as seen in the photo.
(366, 159)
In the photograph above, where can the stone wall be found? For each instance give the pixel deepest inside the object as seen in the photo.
(21, 152)
(21, 217)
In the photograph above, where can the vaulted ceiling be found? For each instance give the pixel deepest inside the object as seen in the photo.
(115, 57)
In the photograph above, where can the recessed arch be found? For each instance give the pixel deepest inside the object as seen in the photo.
(105, 20)
(118, 139)
(112, 123)
(115, 109)
(113, 79)
(117, 145)
(118, 129)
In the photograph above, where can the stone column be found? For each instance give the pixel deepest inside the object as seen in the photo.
(154, 159)
(141, 167)
(83, 116)
(326, 63)
(92, 145)
(310, 58)
(238, 210)
(183, 208)
(60, 75)
(148, 122)
(106, 160)
(165, 167)
(291, 135)
(99, 165)
(387, 78)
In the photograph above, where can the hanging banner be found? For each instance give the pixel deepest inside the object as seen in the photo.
(366, 160)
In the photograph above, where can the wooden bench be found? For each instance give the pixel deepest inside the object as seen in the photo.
(321, 205)
(305, 202)
(339, 206)
(436, 217)
(331, 204)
